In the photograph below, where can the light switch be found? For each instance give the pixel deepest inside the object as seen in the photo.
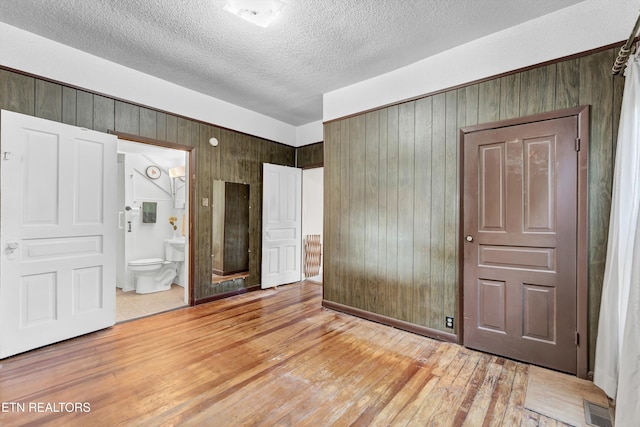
(205, 201)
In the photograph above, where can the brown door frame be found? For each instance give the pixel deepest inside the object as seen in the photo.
(582, 114)
(191, 152)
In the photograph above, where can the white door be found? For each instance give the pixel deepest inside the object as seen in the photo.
(281, 225)
(57, 232)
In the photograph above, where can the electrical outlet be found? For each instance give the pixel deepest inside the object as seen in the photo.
(448, 322)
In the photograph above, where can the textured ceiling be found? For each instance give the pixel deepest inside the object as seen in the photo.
(282, 71)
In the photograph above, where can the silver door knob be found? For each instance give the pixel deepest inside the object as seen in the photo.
(469, 238)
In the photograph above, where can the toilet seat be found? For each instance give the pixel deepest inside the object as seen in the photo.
(146, 262)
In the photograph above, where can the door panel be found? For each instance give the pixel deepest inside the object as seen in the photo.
(281, 225)
(520, 209)
(57, 232)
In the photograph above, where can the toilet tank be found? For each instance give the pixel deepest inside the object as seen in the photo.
(174, 249)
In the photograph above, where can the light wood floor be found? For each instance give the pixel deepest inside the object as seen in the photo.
(273, 357)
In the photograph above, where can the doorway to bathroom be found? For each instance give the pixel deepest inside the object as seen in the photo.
(152, 262)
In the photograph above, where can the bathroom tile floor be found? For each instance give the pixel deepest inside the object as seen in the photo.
(130, 305)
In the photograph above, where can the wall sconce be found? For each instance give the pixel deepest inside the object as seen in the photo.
(213, 142)
(178, 172)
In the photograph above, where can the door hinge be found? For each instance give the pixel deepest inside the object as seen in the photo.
(577, 338)
(577, 144)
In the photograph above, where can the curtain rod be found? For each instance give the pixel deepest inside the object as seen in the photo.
(625, 50)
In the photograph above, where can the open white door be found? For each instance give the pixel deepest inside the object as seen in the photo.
(281, 225)
(57, 232)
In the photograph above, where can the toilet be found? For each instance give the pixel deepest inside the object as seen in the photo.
(152, 274)
(155, 274)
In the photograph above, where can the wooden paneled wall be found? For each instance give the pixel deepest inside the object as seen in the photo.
(310, 155)
(392, 184)
(237, 158)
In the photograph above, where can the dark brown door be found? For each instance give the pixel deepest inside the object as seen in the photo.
(520, 216)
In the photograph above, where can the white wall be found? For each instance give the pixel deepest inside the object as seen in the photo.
(309, 133)
(312, 201)
(584, 26)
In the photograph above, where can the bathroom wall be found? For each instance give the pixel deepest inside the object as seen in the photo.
(146, 240)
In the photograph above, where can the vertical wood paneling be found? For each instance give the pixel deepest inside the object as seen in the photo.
(344, 285)
(596, 89)
(372, 194)
(84, 109)
(406, 149)
(69, 105)
(171, 128)
(310, 155)
(451, 202)
(103, 113)
(161, 126)
(224, 146)
(184, 131)
(332, 185)
(203, 213)
(17, 92)
(509, 97)
(489, 101)
(422, 213)
(568, 84)
(472, 104)
(390, 303)
(127, 118)
(330, 242)
(537, 90)
(438, 176)
(357, 209)
(255, 233)
(148, 123)
(428, 245)
(48, 101)
(383, 182)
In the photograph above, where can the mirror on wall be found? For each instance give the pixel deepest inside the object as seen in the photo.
(230, 232)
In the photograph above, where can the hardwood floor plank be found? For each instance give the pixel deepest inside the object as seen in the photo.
(478, 410)
(515, 407)
(500, 395)
(449, 397)
(265, 358)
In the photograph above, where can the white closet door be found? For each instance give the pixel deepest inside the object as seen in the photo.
(57, 232)
(281, 225)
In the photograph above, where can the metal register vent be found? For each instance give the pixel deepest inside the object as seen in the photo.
(596, 415)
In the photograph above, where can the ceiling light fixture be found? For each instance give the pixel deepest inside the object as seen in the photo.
(258, 12)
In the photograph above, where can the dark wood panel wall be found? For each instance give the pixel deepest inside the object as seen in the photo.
(310, 156)
(237, 158)
(392, 188)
